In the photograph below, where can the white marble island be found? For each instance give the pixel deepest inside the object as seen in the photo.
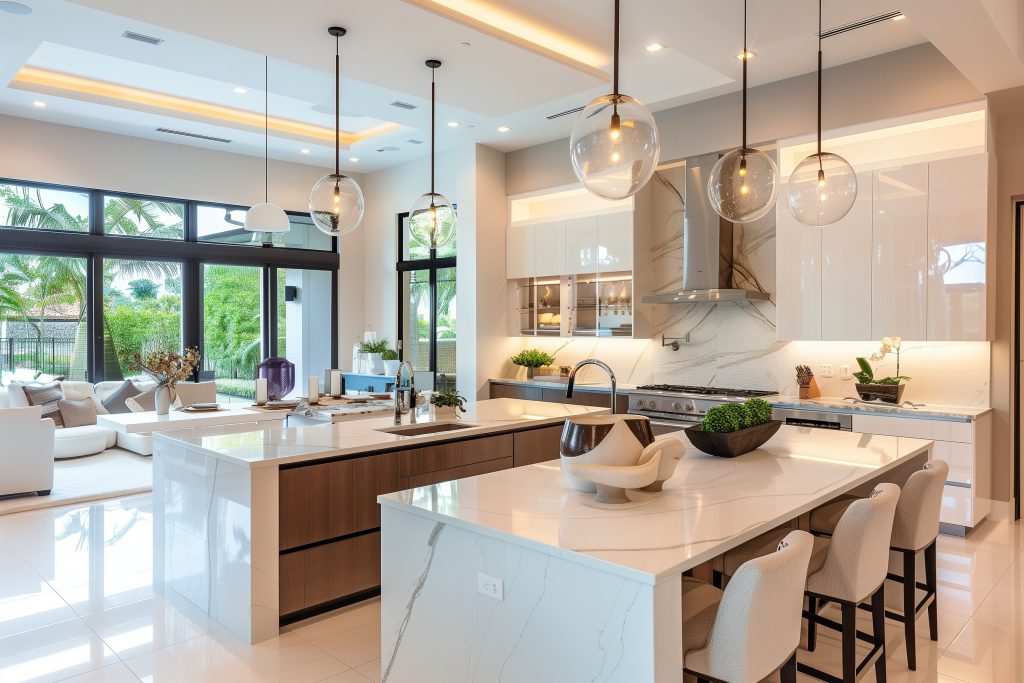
(590, 591)
(260, 526)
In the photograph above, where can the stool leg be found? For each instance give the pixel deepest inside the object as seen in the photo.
(910, 606)
(812, 623)
(878, 630)
(931, 580)
(787, 674)
(849, 642)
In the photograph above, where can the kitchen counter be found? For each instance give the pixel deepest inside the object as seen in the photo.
(839, 405)
(596, 387)
(604, 578)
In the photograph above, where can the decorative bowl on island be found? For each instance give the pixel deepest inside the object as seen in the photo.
(732, 444)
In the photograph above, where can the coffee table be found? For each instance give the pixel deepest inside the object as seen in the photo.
(135, 430)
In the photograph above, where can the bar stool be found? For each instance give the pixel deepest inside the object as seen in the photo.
(752, 628)
(915, 530)
(852, 571)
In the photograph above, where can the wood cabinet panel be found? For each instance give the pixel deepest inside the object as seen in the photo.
(389, 474)
(456, 454)
(536, 445)
(304, 504)
(292, 577)
(329, 572)
(513, 391)
(436, 477)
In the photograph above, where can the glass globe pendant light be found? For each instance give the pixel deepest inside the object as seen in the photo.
(432, 217)
(743, 184)
(823, 187)
(614, 145)
(266, 220)
(336, 202)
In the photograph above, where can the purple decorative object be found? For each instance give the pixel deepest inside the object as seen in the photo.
(280, 375)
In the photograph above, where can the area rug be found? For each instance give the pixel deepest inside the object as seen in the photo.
(110, 474)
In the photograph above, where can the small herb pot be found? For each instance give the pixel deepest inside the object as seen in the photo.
(445, 412)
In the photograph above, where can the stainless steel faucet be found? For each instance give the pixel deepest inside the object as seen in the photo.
(600, 364)
(400, 406)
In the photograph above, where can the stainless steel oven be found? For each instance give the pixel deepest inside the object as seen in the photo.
(815, 419)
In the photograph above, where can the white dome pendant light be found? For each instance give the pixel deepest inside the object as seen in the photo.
(614, 146)
(823, 187)
(266, 219)
(432, 217)
(743, 185)
(336, 202)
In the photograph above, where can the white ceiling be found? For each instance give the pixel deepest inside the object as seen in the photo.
(211, 47)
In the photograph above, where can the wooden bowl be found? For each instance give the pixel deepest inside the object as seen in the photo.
(732, 444)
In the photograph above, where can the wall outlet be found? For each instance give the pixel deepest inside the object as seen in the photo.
(844, 372)
(490, 586)
(826, 370)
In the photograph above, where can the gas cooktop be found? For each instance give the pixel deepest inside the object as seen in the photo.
(704, 391)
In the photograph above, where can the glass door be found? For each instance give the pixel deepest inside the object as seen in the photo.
(232, 329)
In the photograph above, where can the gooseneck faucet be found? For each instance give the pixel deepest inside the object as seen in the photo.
(410, 392)
(598, 363)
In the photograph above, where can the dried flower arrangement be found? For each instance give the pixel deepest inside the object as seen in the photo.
(166, 368)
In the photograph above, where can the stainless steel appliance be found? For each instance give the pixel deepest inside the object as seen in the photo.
(816, 419)
(672, 407)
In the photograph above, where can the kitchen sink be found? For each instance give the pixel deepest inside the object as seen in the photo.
(428, 428)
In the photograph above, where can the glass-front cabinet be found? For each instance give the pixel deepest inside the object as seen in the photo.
(585, 305)
(539, 306)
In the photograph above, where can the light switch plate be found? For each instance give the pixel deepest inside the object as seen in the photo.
(826, 370)
(490, 586)
(844, 372)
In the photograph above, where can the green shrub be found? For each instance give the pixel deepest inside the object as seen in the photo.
(533, 358)
(760, 411)
(242, 388)
(727, 417)
(378, 346)
(389, 354)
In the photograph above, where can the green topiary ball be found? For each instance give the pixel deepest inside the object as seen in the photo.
(760, 411)
(727, 417)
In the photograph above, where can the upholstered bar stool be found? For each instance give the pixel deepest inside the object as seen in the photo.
(852, 570)
(752, 628)
(915, 530)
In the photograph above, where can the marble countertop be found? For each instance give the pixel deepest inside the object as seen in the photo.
(831, 404)
(603, 387)
(280, 446)
(709, 506)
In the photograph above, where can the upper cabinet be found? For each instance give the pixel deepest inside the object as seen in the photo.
(846, 270)
(519, 251)
(581, 246)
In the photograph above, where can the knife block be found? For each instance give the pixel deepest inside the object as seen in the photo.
(811, 390)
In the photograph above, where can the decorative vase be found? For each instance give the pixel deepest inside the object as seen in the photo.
(280, 375)
(445, 412)
(164, 398)
(391, 367)
(531, 373)
(376, 363)
(732, 444)
(602, 440)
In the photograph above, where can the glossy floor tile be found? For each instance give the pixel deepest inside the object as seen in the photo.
(77, 603)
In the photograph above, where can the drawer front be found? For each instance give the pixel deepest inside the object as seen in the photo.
(957, 506)
(959, 457)
(473, 470)
(938, 430)
(328, 572)
(457, 454)
(536, 445)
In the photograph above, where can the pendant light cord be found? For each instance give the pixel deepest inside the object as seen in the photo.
(433, 128)
(746, 58)
(337, 105)
(266, 128)
(819, 81)
(615, 58)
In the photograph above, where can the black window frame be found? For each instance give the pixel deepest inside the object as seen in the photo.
(432, 264)
(191, 253)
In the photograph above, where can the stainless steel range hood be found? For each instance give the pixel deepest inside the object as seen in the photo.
(707, 246)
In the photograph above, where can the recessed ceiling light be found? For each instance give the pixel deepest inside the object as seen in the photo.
(39, 103)
(746, 55)
(503, 129)
(353, 159)
(899, 17)
(304, 151)
(453, 124)
(655, 47)
(14, 8)
(465, 44)
(240, 90)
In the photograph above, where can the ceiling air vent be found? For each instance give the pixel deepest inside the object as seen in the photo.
(142, 38)
(198, 136)
(387, 149)
(403, 105)
(412, 141)
(565, 113)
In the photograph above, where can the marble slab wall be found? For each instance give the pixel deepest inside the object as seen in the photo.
(733, 344)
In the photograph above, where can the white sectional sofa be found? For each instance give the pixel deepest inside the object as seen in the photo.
(73, 442)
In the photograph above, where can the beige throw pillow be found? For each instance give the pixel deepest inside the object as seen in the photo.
(77, 413)
(144, 402)
(47, 396)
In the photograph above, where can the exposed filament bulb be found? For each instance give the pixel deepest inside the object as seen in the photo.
(821, 177)
(615, 130)
(743, 167)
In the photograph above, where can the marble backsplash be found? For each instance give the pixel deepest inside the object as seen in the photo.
(734, 345)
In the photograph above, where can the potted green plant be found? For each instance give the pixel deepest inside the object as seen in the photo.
(391, 362)
(733, 429)
(375, 350)
(885, 389)
(447, 404)
(531, 359)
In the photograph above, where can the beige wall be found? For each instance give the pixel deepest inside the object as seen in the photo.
(902, 82)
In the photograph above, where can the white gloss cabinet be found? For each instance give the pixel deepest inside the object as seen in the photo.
(581, 245)
(846, 268)
(519, 251)
(615, 242)
(957, 232)
(899, 267)
(549, 248)
(798, 277)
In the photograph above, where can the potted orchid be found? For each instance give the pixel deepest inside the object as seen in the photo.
(886, 389)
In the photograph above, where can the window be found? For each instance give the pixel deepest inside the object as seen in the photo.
(426, 308)
(226, 225)
(232, 329)
(42, 317)
(305, 320)
(142, 217)
(41, 207)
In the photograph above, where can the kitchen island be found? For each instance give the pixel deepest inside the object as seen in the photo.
(260, 527)
(515, 576)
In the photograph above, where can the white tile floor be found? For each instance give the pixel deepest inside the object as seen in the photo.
(77, 604)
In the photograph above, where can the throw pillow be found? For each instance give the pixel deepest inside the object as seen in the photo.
(16, 395)
(145, 401)
(115, 402)
(47, 396)
(77, 413)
